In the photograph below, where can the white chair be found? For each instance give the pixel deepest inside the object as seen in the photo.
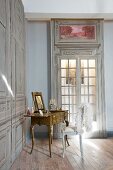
(81, 120)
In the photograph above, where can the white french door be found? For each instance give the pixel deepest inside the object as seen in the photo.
(77, 84)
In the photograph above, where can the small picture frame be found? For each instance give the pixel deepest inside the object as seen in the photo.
(38, 102)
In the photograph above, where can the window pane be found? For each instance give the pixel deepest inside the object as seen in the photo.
(69, 85)
(91, 72)
(64, 91)
(72, 72)
(84, 89)
(64, 82)
(65, 100)
(92, 90)
(64, 72)
(73, 108)
(72, 99)
(64, 63)
(84, 99)
(83, 63)
(84, 81)
(71, 81)
(91, 63)
(84, 72)
(73, 119)
(91, 81)
(72, 63)
(72, 90)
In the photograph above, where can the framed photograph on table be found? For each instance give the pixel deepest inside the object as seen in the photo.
(38, 102)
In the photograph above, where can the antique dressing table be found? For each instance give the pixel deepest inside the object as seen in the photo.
(49, 118)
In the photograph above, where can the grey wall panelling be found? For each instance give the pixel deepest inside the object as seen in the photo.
(12, 81)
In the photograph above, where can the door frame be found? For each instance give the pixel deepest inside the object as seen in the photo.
(95, 49)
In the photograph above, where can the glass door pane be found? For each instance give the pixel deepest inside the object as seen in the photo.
(78, 85)
(68, 86)
(88, 83)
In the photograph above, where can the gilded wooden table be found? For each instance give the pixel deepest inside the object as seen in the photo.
(49, 119)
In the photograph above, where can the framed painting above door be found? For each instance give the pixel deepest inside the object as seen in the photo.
(71, 31)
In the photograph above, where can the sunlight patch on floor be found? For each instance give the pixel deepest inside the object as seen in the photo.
(87, 142)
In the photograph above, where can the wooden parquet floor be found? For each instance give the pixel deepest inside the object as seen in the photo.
(98, 155)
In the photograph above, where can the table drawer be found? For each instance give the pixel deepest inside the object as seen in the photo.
(57, 119)
(41, 120)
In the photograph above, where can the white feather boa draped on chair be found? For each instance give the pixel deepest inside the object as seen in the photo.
(84, 118)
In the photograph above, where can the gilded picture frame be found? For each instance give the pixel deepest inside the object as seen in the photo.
(38, 102)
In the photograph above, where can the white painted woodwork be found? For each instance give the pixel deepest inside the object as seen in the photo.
(12, 81)
(67, 49)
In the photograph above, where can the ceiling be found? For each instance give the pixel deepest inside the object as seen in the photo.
(47, 9)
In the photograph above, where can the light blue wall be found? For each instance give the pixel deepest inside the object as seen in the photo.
(37, 60)
(108, 64)
(38, 63)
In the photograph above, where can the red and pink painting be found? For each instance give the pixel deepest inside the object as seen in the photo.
(78, 32)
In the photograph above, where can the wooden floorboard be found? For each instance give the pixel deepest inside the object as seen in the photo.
(98, 155)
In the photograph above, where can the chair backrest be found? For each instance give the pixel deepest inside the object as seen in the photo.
(38, 102)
